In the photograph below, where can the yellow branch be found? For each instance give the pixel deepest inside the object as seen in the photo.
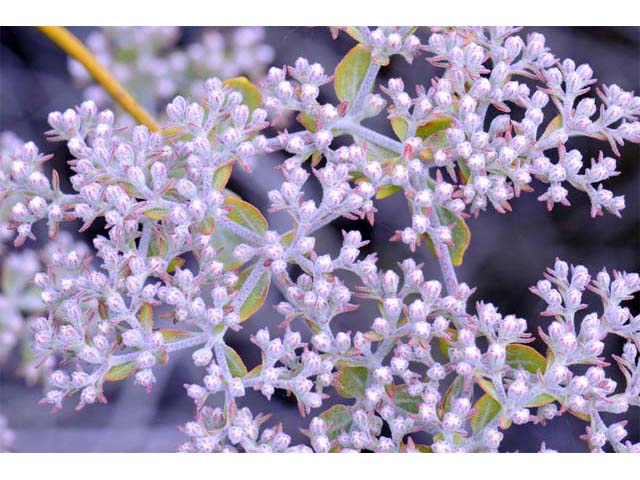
(68, 42)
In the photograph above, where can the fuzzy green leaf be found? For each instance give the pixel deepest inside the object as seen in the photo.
(405, 401)
(258, 295)
(120, 372)
(386, 191)
(156, 213)
(221, 177)
(525, 357)
(145, 316)
(486, 410)
(432, 127)
(338, 419)
(351, 380)
(460, 234)
(251, 96)
(174, 335)
(400, 127)
(235, 363)
(245, 215)
(350, 72)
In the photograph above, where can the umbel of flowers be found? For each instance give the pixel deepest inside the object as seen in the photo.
(433, 361)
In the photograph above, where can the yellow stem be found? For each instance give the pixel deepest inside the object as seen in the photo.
(68, 42)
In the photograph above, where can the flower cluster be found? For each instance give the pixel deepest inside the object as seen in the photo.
(180, 247)
(149, 62)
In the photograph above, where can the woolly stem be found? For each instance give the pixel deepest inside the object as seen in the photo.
(444, 258)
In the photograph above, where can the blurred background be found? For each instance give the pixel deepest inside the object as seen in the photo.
(508, 253)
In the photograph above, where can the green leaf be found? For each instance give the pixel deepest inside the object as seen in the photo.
(175, 263)
(525, 357)
(245, 215)
(465, 171)
(541, 400)
(405, 401)
(258, 295)
(207, 226)
(379, 154)
(145, 316)
(400, 127)
(444, 345)
(221, 177)
(120, 372)
(351, 380)
(159, 245)
(156, 213)
(554, 124)
(489, 388)
(251, 96)
(174, 335)
(460, 234)
(457, 438)
(354, 33)
(386, 191)
(432, 127)
(350, 72)
(454, 391)
(338, 419)
(235, 363)
(486, 410)
(307, 121)
(287, 238)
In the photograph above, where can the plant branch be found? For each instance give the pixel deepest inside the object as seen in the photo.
(365, 87)
(68, 42)
(369, 135)
(444, 258)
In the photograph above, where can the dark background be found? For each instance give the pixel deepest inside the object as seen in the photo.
(508, 253)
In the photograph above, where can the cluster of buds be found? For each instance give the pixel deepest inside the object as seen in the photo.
(411, 368)
(151, 64)
(384, 42)
(421, 387)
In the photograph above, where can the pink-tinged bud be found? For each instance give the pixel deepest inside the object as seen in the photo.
(567, 342)
(617, 432)
(521, 416)
(89, 395)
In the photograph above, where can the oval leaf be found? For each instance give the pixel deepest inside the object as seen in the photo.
(251, 96)
(486, 410)
(145, 316)
(258, 294)
(460, 233)
(405, 401)
(488, 387)
(221, 177)
(350, 72)
(235, 363)
(338, 419)
(454, 391)
(525, 357)
(156, 213)
(554, 124)
(120, 372)
(386, 191)
(436, 125)
(173, 335)
(400, 127)
(351, 380)
(246, 216)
